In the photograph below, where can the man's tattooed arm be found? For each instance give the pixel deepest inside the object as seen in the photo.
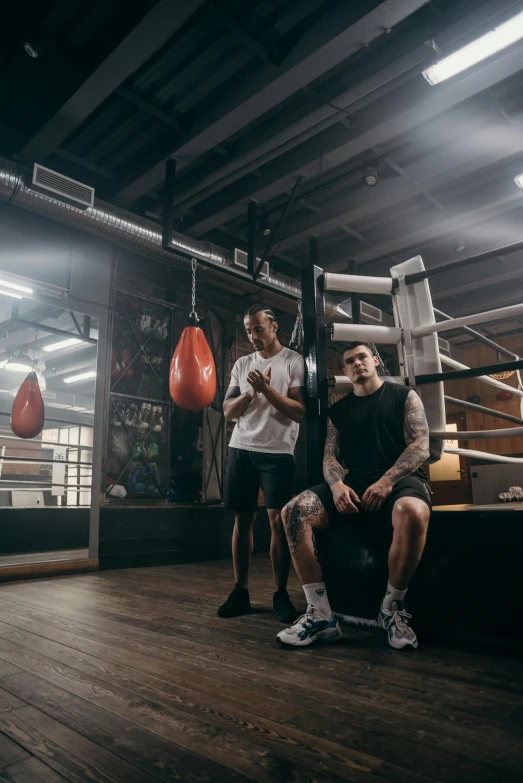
(416, 432)
(332, 470)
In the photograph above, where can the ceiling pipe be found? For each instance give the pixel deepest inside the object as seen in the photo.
(117, 225)
(132, 232)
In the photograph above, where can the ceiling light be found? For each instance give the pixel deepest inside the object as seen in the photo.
(30, 50)
(84, 376)
(61, 344)
(19, 362)
(11, 294)
(15, 286)
(489, 44)
(519, 180)
(265, 226)
(371, 177)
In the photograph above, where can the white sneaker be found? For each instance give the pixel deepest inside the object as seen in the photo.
(309, 628)
(396, 622)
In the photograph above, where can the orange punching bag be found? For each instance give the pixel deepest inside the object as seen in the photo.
(192, 377)
(27, 413)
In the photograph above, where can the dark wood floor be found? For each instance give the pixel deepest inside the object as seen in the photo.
(129, 676)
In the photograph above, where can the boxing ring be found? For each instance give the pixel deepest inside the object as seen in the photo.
(462, 548)
(414, 333)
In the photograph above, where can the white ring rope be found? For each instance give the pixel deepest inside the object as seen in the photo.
(485, 455)
(510, 432)
(485, 378)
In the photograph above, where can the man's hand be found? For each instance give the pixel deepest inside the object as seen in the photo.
(376, 495)
(345, 498)
(260, 382)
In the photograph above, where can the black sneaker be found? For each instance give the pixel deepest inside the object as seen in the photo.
(238, 603)
(284, 608)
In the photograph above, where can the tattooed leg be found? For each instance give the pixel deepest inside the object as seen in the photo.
(301, 517)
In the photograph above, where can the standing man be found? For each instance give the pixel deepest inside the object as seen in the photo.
(264, 398)
(380, 433)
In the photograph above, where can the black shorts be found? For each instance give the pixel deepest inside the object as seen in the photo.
(411, 487)
(248, 470)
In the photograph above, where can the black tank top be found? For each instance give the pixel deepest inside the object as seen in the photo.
(371, 432)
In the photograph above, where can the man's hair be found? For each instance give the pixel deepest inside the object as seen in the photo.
(371, 349)
(261, 308)
(351, 346)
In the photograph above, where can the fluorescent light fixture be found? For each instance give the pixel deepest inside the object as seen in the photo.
(18, 367)
(61, 344)
(519, 180)
(10, 293)
(15, 286)
(489, 44)
(19, 363)
(83, 376)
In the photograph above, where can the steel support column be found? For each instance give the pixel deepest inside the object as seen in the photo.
(315, 354)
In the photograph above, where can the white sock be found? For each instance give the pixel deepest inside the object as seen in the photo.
(316, 596)
(391, 595)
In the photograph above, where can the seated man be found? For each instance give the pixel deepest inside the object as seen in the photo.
(380, 432)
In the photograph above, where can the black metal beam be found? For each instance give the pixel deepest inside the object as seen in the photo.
(315, 354)
(381, 121)
(482, 409)
(77, 325)
(237, 30)
(252, 231)
(168, 204)
(474, 149)
(54, 330)
(84, 163)
(148, 107)
(480, 337)
(179, 251)
(486, 255)
(472, 372)
(154, 30)
(327, 44)
(279, 224)
(384, 74)
(354, 298)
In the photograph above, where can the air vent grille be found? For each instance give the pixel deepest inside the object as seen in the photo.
(241, 259)
(371, 312)
(62, 188)
(444, 345)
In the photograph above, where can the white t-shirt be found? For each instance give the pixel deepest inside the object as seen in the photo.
(262, 427)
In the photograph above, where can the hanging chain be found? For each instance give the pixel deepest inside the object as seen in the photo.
(193, 291)
(34, 348)
(297, 333)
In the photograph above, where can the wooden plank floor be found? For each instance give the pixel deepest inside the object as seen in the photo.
(128, 676)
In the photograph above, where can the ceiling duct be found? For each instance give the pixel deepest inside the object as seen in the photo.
(119, 226)
(138, 235)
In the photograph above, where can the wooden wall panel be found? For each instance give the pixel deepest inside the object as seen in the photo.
(475, 356)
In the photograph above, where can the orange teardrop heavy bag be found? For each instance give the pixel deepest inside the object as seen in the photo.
(192, 379)
(27, 413)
